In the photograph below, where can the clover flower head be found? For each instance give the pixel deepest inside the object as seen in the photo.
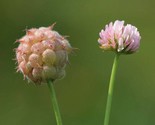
(42, 55)
(120, 38)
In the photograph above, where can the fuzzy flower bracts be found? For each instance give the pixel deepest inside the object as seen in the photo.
(42, 55)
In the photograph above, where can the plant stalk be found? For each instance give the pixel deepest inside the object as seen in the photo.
(54, 103)
(110, 91)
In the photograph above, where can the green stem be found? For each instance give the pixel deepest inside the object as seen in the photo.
(54, 102)
(110, 91)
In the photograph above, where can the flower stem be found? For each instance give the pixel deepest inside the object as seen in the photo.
(110, 91)
(54, 102)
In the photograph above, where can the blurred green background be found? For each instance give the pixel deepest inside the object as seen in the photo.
(82, 93)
